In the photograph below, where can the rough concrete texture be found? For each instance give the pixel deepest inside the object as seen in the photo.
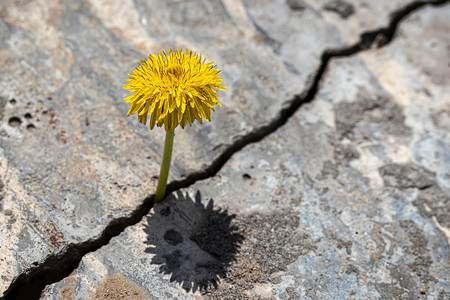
(292, 29)
(71, 162)
(348, 200)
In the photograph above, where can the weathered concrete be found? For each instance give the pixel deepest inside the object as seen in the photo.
(348, 200)
(293, 32)
(70, 160)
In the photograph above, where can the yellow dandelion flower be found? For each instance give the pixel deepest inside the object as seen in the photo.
(173, 88)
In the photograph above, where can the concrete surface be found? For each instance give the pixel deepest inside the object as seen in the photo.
(348, 200)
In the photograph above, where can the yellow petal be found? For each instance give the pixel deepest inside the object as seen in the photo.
(174, 87)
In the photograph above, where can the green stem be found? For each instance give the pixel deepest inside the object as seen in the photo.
(165, 166)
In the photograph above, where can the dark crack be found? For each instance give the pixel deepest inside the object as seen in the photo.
(56, 267)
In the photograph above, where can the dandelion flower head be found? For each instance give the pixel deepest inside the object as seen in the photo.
(173, 88)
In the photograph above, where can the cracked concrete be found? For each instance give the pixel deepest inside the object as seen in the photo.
(326, 192)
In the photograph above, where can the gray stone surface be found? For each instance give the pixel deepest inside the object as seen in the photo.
(348, 200)
(293, 32)
(70, 160)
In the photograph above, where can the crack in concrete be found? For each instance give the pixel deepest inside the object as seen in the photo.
(29, 285)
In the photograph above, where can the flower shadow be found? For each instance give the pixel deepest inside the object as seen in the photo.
(193, 243)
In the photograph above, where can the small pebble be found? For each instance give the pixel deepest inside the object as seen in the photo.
(423, 291)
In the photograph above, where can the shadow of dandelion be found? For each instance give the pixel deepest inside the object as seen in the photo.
(193, 243)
